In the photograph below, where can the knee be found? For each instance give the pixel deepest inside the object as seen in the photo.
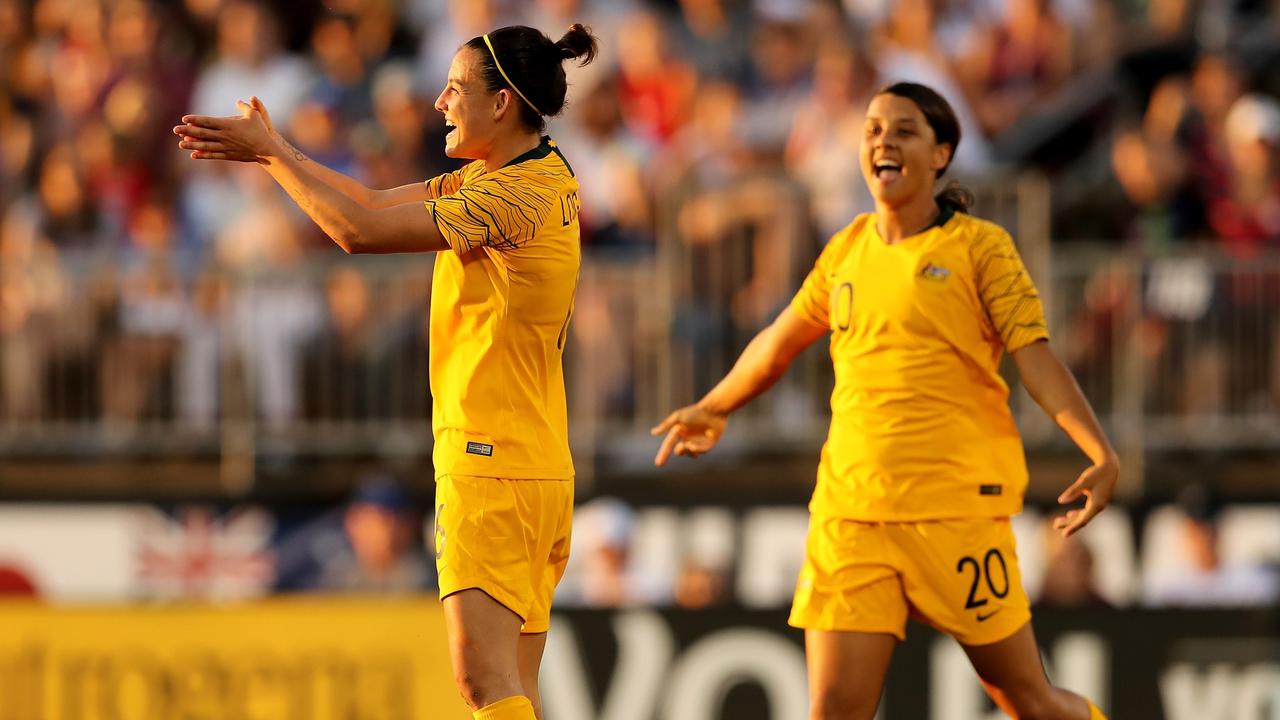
(481, 685)
(472, 688)
(840, 704)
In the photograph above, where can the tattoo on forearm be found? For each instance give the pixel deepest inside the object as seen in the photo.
(297, 154)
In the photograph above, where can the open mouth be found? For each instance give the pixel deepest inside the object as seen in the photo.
(887, 170)
(450, 126)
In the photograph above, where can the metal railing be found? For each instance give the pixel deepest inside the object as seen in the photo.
(330, 358)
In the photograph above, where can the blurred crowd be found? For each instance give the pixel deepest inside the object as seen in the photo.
(1194, 552)
(129, 274)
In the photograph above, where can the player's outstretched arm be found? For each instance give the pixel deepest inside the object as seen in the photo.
(695, 429)
(205, 144)
(353, 226)
(1054, 389)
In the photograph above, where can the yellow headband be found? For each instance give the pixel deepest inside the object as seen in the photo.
(505, 77)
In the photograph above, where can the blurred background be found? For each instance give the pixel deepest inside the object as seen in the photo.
(215, 478)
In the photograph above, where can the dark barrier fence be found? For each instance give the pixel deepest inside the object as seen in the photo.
(745, 665)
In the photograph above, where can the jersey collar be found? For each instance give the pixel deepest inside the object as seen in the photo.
(543, 150)
(946, 211)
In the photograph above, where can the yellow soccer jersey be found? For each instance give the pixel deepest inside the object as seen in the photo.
(921, 427)
(500, 307)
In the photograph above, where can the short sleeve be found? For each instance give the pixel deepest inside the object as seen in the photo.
(446, 184)
(812, 301)
(498, 211)
(1008, 295)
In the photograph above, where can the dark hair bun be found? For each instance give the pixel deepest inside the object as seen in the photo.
(578, 43)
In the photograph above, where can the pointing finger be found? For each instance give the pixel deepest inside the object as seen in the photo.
(1072, 493)
(668, 443)
(665, 425)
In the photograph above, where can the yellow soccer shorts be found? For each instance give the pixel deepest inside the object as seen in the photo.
(509, 538)
(960, 576)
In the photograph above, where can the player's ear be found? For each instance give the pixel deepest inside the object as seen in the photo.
(501, 104)
(941, 156)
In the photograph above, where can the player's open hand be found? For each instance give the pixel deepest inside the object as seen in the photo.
(248, 137)
(1096, 484)
(691, 431)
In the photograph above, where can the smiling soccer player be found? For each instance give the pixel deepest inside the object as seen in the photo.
(923, 465)
(506, 230)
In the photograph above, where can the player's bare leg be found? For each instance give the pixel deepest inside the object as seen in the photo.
(846, 673)
(483, 638)
(529, 654)
(1014, 676)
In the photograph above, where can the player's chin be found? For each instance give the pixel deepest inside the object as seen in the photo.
(892, 194)
(882, 194)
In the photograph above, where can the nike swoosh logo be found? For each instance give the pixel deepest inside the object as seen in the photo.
(982, 618)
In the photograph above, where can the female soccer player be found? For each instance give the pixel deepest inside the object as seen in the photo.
(506, 228)
(923, 464)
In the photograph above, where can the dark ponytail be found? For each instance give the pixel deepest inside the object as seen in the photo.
(534, 65)
(946, 129)
(959, 197)
(576, 43)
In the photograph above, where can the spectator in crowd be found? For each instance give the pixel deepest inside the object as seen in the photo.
(655, 86)
(1215, 84)
(249, 55)
(17, 150)
(701, 586)
(601, 550)
(68, 213)
(604, 571)
(780, 80)
(344, 85)
(200, 359)
(32, 290)
(445, 27)
(405, 337)
(277, 313)
(387, 552)
(1017, 64)
(1245, 215)
(829, 125)
(398, 145)
(617, 211)
(137, 368)
(375, 545)
(715, 39)
(1069, 577)
(151, 78)
(1110, 303)
(905, 47)
(339, 374)
(1245, 210)
(1154, 177)
(1202, 579)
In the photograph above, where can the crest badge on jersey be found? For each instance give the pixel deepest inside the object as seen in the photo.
(937, 273)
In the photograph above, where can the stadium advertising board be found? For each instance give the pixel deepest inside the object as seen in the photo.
(313, 659)
(323, 659)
